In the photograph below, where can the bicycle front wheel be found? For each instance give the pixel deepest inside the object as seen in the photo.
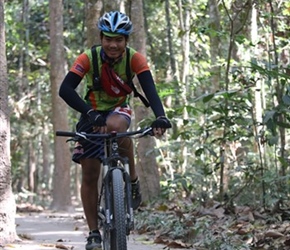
(118, 234)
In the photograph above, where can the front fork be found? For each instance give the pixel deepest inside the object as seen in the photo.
(106, 194)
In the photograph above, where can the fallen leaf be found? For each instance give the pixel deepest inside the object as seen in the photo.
(62, 247)
(242, 231)
(162, 207)
(8, 245)
(25, 236)
(175, 244)
(219, 212)
(160, 240)
(273, 234)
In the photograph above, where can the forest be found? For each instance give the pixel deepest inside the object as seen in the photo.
(222, 70)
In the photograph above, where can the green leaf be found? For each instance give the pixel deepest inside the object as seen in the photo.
(199, 151)
(286, 99)
(269, 115)
(273, 140)
(207, 98)
(240, 39)
(283, 124)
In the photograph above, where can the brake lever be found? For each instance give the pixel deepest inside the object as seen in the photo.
(71, 139)
(82, 135)
(77, 138)
(147, 131)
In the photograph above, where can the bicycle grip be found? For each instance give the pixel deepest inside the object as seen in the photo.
(65, 133)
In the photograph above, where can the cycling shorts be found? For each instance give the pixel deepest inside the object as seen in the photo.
(88, 150)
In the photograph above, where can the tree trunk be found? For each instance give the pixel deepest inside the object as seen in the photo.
(61, 179)
(146, 167)
(184, 14)
(31, 167)
(93, 11)
(45, 159)
(7, 203)
(215, 45)
(112, 5)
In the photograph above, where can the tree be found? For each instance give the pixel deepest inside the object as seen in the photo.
(61, 181)
(147, 168)
(7, 203)
(219, 88)
(111, 5)
(93, 9)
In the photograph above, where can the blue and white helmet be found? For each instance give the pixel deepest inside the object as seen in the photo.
(115, 22)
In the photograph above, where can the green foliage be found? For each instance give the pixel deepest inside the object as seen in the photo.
(278, 116)
(27, 48)
(213, 111)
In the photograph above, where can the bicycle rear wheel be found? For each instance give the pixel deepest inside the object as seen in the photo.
(118, 234)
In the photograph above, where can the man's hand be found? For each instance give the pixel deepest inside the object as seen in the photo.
(97, 121)
(160, 125)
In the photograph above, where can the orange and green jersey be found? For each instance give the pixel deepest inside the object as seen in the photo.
(100, 100)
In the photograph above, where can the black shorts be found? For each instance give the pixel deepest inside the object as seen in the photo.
(86, 149)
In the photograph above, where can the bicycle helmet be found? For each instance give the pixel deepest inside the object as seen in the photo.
(115, 22)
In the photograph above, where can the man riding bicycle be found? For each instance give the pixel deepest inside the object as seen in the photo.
(106, 107)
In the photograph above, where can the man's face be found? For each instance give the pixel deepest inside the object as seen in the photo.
(113, 46)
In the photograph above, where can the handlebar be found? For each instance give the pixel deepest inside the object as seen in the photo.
(142, 132)
(65, 133)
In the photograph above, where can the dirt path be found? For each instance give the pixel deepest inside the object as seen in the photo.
(46, 231)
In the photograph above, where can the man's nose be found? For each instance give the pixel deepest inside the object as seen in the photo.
(113, 45)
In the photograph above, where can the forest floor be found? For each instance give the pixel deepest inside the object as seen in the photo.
(47, 230)
(180, 225)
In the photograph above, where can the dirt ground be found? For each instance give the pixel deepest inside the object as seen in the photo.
(48, 230)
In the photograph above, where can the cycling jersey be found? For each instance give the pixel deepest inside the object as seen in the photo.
(100, 100)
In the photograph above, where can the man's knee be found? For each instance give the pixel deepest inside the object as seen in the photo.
(117, 123)
(90, 171)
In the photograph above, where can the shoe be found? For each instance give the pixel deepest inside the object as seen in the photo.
(136, 195)
(94, 241)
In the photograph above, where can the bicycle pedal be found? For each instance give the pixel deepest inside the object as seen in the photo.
(101, 214)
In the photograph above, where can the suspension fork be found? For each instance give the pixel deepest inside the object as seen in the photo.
(106, 191)
(128, 196)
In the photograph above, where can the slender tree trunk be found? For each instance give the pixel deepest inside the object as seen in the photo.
(173, 75)
(7, 203)
(31, 167)
(184, 14)
(77, 182)
(258, 103)
(215, 79)
(146, 167)
(215, 45)
(61, 179)
(280, 91)
(45, 159)
(240, 11)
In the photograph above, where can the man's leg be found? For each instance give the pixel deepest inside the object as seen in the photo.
(119, 123)
(127, 150)
(89, 190)
(89, 195)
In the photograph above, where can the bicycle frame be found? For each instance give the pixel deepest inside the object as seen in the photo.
(116, 187)
(111, 161)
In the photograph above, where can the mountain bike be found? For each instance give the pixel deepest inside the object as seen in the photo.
(115, 211)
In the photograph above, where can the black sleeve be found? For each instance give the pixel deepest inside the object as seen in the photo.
(147, 83)
(70, 96)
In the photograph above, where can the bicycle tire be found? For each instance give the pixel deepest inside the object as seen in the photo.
(118, 234)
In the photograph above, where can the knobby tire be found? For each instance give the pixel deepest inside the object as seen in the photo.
(118, 236)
